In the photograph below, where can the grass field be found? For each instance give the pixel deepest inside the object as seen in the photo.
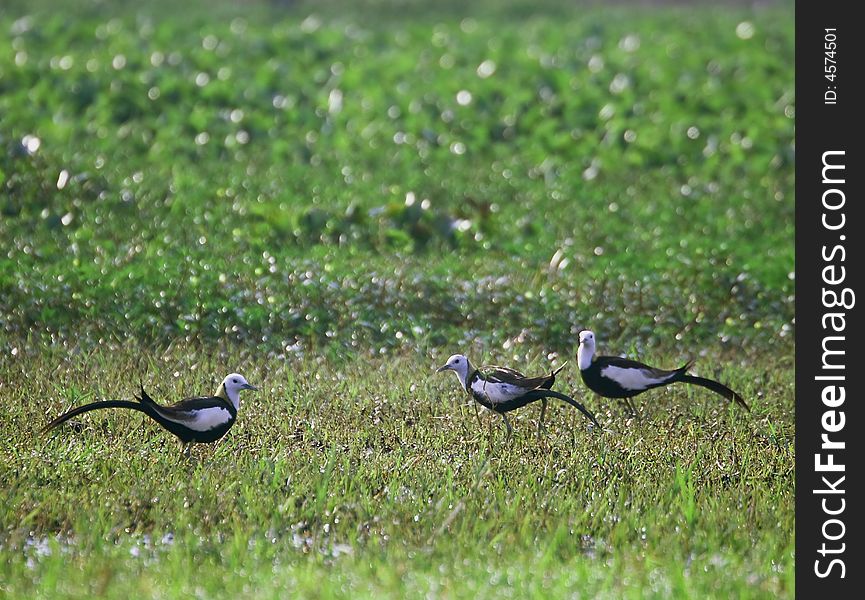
(332, 199)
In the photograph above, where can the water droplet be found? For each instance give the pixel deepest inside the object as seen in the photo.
(745, 30)
(31, 143)
(620, 83)
(630, 43)
(486, 69)
(464, 98)
(596, 63)
(334, 102)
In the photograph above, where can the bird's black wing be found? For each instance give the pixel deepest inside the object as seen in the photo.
(500, 371)
(180, 410)
(198, 403)
(556, 371)
(497, 374)
(551, 378)
(145, 398)
(187, 404)
(185, 410)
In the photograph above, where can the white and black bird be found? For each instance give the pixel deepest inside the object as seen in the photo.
(502, 390)
(616, 377)
(201, 419)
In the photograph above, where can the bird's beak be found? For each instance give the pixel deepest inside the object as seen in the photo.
(442, 368)
(249, 386)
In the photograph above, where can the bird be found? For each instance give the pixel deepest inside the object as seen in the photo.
(201, 419)
(616, 377)
(502, 389)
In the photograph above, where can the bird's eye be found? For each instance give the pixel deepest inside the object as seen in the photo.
(234, 381)
(457, 361)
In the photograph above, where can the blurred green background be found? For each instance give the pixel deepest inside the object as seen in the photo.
(396, 175)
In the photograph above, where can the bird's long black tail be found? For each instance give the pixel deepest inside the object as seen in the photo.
(96, 406)
(541, 393)
(718, 388)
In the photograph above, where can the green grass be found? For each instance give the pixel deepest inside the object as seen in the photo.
(332, 199)
(334, 485)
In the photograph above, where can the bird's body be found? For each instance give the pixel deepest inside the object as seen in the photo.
(201, 419)
(501, 389)
(617, 377)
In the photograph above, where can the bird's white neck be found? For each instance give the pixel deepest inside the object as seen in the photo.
(585, 353)
(463, 374)
(232, 396)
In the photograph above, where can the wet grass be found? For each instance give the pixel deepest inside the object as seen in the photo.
(332, 200)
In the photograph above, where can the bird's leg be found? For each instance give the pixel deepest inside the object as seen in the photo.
(633, 408)
(185, 449)
(508, 425)
(626, 410)
(477, 414)
(541, 419)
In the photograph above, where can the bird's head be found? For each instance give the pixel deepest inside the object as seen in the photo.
(586, 350)
(233, 385)
(587, 337)
(457, 363)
